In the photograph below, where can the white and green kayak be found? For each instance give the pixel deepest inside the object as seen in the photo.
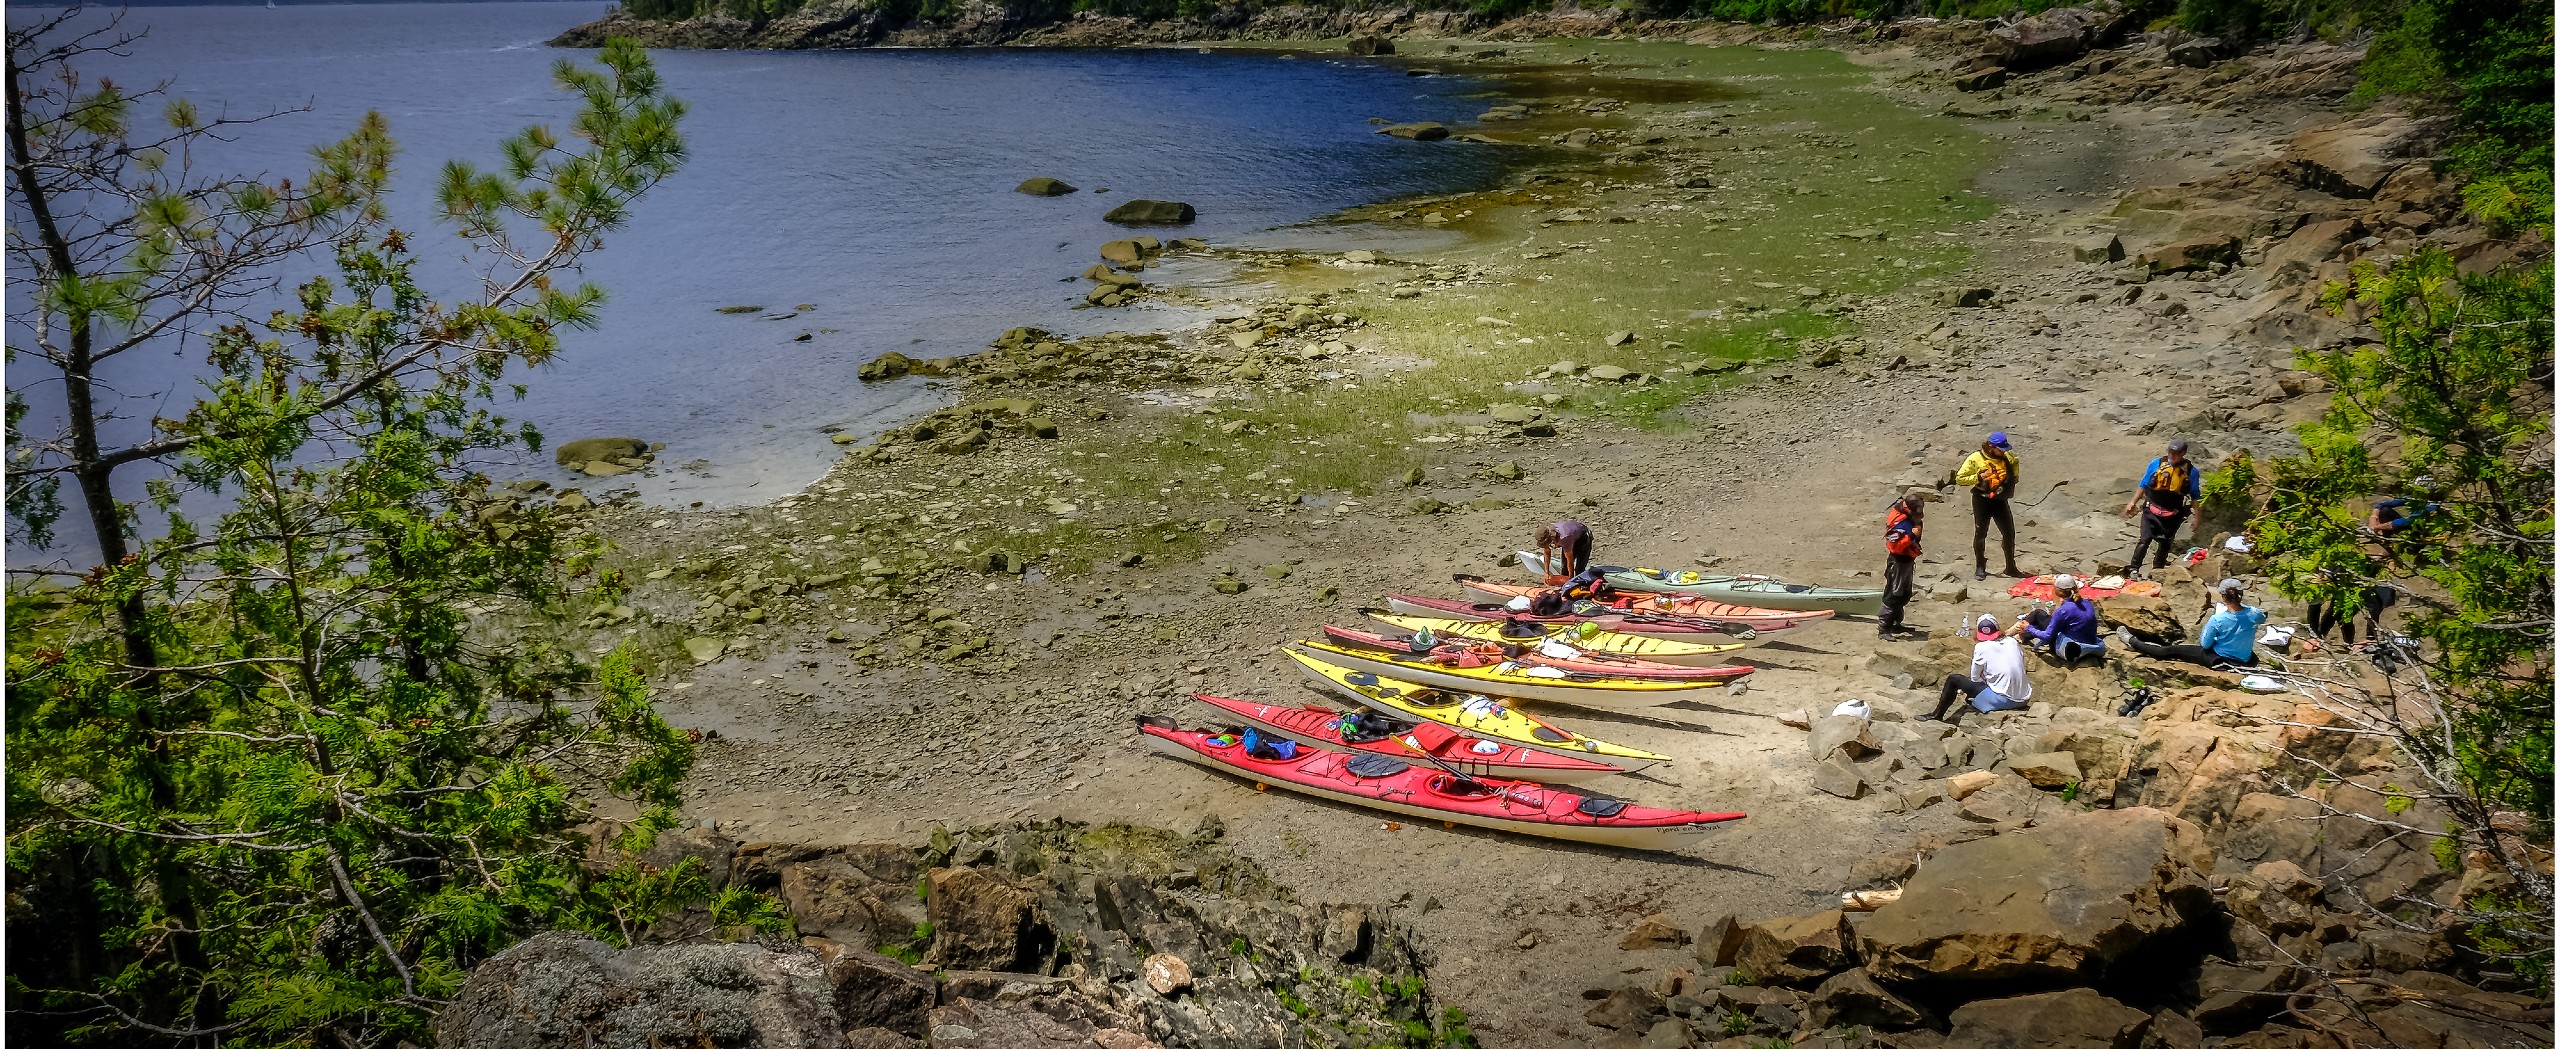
(1757, 591)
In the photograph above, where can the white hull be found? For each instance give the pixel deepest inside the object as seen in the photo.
(1559, 777)
(1653, 838)
(1595, 696)
(1403, 607)
(1624, 762)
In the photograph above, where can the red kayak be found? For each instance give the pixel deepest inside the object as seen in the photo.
(1650, 624)
(1379, 782)
(1461, 652)
(1407, 741)
(1666, 604)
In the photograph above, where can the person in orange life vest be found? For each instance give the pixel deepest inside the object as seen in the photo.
(1992, 473)
(1565, 546)
(1901, 557)
(2167, 492)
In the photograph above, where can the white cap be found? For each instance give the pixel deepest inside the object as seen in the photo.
(2066, 581)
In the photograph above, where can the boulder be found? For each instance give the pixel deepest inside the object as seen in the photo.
(2058, 901)
(2148, 617)
(1844, 732)
(2097, 247)
(2050, 771)
(2312, 244)
(1044, 187)
(1130, 253)
(2200, 52)
(1655, 932)
(1166, 974)
(2355, 158)
(1719, 941)
(1795, 948)
(1982, 79)
(1838, 776)
(2194, 253)
(599, 449)
(2078, 1018)
(1152, 213)
(1966, 784)
(1853, 998)
(982, 921)
(887, 366)
(874, 990)
(1629, 1007)
(1419, 131)
(714, 996)
(1369, 45)
(2053, 37)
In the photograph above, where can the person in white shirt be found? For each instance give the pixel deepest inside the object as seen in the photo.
(1999, 677)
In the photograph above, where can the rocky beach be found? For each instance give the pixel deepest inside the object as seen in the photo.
(1741, 289)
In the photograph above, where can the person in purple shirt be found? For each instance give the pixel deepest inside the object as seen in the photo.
(2070, 631)
(1566, 547)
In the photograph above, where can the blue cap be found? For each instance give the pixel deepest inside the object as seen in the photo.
(1999, 439)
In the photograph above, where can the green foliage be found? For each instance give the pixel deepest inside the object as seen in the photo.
(267, 776)
(1736, 1022)
(2229, 496)
(1454, 1032)
(2071, 791)
(2450, 407)
(1739, 978)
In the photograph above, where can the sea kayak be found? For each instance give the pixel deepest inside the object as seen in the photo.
(1757, 591)
(1474, 715)
(1408, 740)
(1694, 629)
(1756, 617)
(1515, 682)
(1600, 643)
(1377, 782)
(1551, 653)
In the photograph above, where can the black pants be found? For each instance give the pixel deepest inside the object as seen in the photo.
(2342, 614)
(2196, 654)
(2156, 528)
(1897, 591)
(1956, 685)
(1986, 512)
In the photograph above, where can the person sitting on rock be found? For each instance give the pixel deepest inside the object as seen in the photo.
(2229, 639)
(1565, 546)
(2397, 516)
(1998, 680)
(2070, 631)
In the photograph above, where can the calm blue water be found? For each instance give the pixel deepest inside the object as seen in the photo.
(876, 185)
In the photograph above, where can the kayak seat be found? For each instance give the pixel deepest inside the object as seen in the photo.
(1430, 697)
(1548, 735)
(1372, 766)
(1602, 808)
(1449, 786)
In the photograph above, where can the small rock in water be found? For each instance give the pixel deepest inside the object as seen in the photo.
(1044, 187)
(705, 649)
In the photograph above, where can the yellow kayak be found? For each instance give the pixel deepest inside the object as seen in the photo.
(1520, 681)
(1600, 643)
(1474, 715)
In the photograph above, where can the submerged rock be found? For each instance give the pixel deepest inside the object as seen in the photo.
(1044, 187)
(1152, 213)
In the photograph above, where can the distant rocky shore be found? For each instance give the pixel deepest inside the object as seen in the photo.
(862, 23)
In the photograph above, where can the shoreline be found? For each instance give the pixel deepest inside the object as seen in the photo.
(888, 684)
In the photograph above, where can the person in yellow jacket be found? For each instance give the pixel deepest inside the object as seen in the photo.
(1992, 473)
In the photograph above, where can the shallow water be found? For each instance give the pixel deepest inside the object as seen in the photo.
(875, 186)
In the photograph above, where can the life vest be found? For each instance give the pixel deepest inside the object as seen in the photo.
(1901, 534)
(1994, 479)
(2167, 492)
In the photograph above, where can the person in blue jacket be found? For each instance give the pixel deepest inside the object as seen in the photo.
(2229, 638)
(2070, 631)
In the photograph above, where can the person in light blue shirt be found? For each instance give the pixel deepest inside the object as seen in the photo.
(2229, 638)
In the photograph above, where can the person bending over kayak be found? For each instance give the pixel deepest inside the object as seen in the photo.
(1901, 556)
(1998, 680)
(2168, 489)
(1992, 473)
(2070, 631)
(1566, 547)
(2230, 638)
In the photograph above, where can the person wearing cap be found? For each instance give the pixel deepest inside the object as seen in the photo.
(1992, 473)
(2167, 492)
(1901, 559)
(1997, 681)
(2229, 638)
(2070, 631)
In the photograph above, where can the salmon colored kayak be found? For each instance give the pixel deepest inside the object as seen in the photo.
(1672, 604)
(1696, 629)
(1407, 740)
(1387, 785)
